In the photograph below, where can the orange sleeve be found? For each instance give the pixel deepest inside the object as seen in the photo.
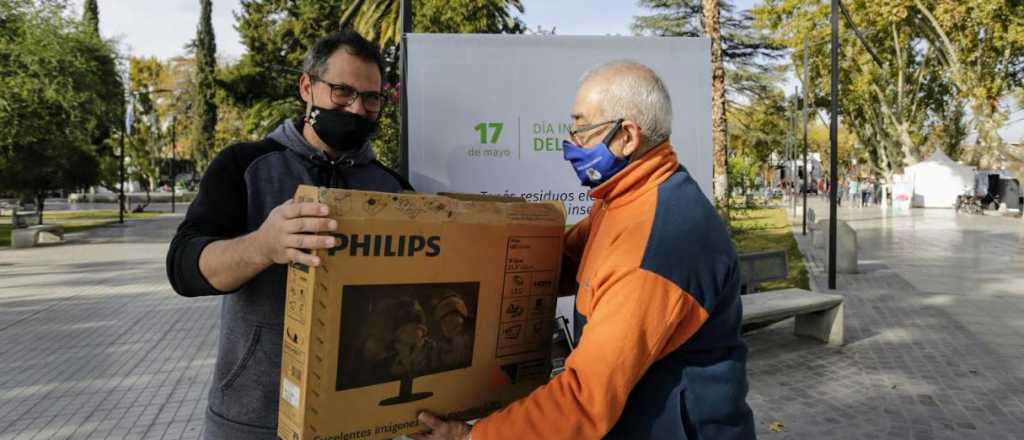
(623, 337)
(576, 239)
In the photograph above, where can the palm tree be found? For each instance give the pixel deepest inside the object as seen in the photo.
(712, 12)
(379, 20)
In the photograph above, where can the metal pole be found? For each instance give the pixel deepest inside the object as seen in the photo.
(174, 155)
(120, 211)
(806, 93)
(792, 148)
(833, 135)
(406, 11)
(789, 160)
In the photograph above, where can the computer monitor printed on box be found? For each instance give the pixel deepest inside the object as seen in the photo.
(399, 332)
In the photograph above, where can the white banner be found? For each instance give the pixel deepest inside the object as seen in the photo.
(488, 113)
(902, 196)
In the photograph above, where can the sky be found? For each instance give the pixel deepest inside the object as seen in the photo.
(161, 28)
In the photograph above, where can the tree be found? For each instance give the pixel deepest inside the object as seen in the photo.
(887, 76)
(429, 16)
(748, 54)
(278, 33)
(55, 97)
(111, 88)
(982, 45)
(143, 147)
(932, 61)
(760, 129)
(91, 16)
(379, 20)
(205, 106)
(718, 118)
(740, 58)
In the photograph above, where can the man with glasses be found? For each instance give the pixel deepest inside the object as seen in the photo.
(243, 228)
(659, 353)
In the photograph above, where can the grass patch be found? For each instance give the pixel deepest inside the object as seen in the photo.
(79, 216)
(73, 221)
(766, 229)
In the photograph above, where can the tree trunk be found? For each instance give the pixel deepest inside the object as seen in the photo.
(40, 202)
(712, 30)
(142, 207)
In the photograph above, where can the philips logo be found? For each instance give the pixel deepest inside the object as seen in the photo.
(372, 245)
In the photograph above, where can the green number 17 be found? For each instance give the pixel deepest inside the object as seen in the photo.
(495, 129)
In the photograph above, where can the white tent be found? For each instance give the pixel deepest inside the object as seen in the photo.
(938, 181)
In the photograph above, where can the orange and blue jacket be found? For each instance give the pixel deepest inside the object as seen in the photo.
(658, 317)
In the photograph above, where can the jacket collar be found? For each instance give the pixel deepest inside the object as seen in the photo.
(289, 134)
(642, 175)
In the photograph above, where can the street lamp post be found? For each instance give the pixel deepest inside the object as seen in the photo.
(125, 131)
(174, 155)
(793, 152)
(805, 116)
(120, 198)
(406, 23)
(833, 134)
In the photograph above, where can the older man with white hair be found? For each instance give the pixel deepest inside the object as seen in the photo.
(658, 312)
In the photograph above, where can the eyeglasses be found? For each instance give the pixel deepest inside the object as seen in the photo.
(574, 132)
(344, 95)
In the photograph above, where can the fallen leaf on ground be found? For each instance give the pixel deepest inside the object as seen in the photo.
(776, 426)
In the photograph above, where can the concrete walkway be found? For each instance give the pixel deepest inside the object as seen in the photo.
(96, 345)
(935, 336)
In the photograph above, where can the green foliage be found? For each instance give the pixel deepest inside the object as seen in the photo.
(742, 44)
(145, 147)
(818, 142)
(743, 172)
(204, 104)
(59, 98)
(379, 20)
(760, 128)
(91, 16)
(748, 53)
(767, 229)
(278, 33)
(938, 58)
(387, 143)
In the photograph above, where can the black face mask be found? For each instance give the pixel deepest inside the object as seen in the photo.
(341, 130)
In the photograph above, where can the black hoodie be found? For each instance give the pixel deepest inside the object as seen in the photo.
(238, 191)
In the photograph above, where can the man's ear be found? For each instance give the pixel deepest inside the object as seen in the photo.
(631, 138)
(306, 88)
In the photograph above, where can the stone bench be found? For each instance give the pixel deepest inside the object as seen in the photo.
(8, 207)
(847, 248)
(818, 315)
(812, 225)
(26, 230)
(29, 237)
(762, 267)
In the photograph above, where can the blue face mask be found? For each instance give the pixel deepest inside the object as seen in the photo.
(596, 164)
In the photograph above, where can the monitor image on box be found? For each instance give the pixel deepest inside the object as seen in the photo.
(398, 332)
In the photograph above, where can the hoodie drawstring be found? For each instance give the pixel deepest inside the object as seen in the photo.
(331, 171)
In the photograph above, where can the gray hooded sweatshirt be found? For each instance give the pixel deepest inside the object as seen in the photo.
(239, 189)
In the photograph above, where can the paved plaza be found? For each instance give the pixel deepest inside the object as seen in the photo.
(95, 345)
(934, 336)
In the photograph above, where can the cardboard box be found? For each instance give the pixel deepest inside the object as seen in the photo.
(427, 302)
